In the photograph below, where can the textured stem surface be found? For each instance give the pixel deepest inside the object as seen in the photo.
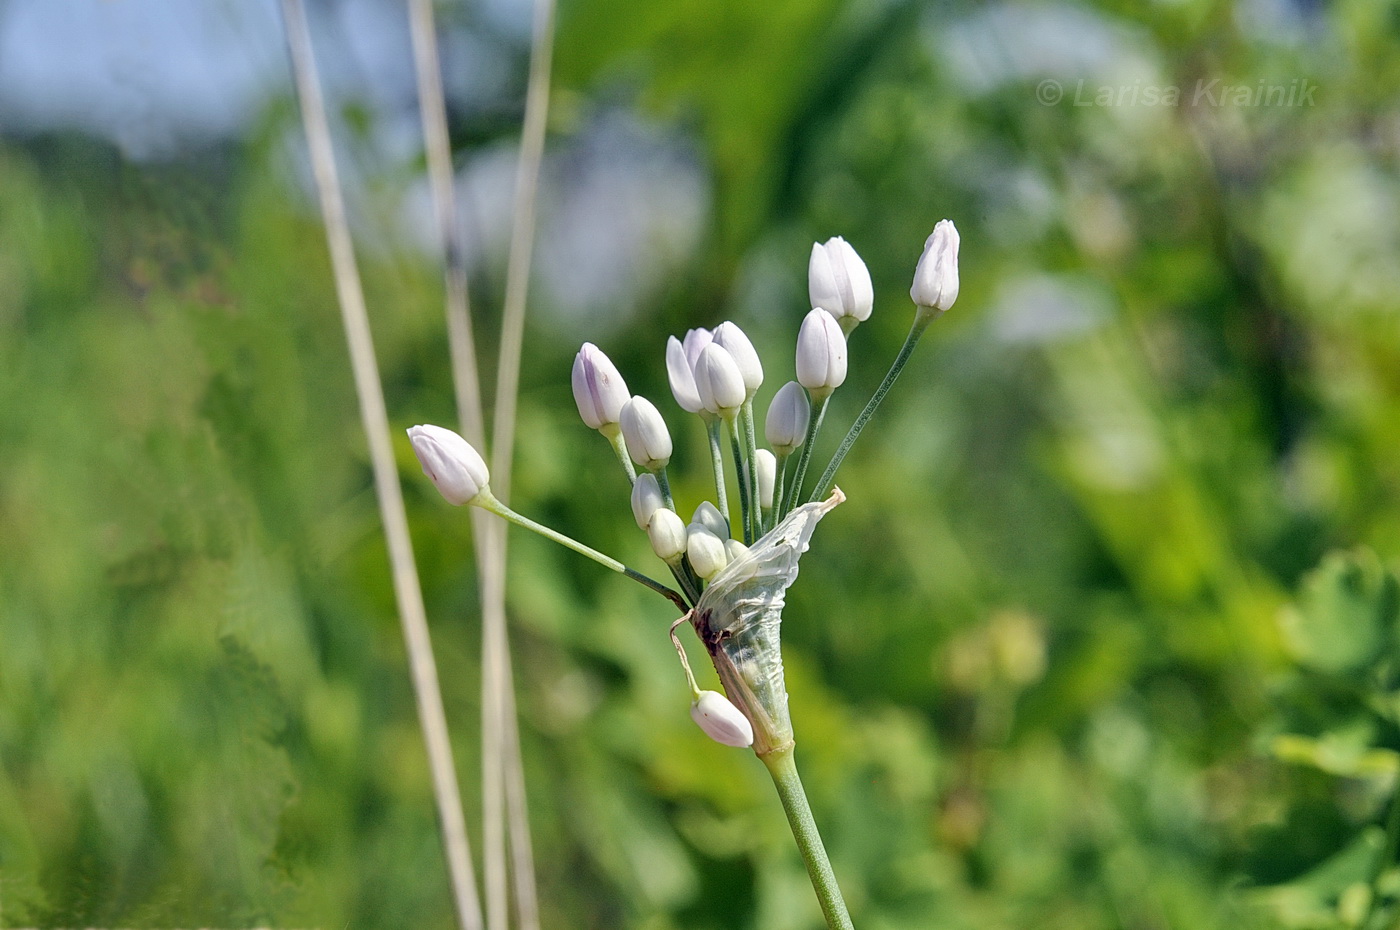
(804, 829)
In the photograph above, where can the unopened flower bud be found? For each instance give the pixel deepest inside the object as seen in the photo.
(705, 549)
(694, 343)
(839, 283)
(786, 425)
(821, 354)
(708, 516)
(766, 463)
(721, 720)
(648, 439)
(599, 389)
(667, 533)
(646, 499)
(733, 340)
(719, 381)
(733, 549)
(455, 468)
(682, 377)
(936, 277)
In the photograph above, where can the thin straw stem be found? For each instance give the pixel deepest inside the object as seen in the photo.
(461, 342)
(717, 464)
(504, 755)
(407, 592)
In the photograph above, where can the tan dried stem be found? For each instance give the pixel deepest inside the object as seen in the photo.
(407, 591)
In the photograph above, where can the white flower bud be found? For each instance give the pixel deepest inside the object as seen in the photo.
(734, 549)
(682, 377)
(648, 440)
(667, 534)
(455, 468)
(719, 381)
(733, 340)
(708, 516)
(694, 343)
(767, 465)
(646, 499)
(936, 277)
(786, 425)
(839, 282)
(721, 720)
(821, 354)
(599, 389)
(705, 549)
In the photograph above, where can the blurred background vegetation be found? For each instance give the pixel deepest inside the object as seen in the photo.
(1105, 636)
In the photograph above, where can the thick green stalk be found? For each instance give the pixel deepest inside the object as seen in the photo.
(804, 829)
(824, 483)
(814, 423)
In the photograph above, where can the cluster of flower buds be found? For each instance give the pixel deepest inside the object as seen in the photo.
(716, 374)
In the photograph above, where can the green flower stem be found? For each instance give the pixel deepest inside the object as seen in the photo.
(814, 423)
(779, 489)
(487, 501)
(717, 463)
(804, 829)
(735, 444)
(686, 579)
(751, 451)
(620, 447)
(665, 484)
(824, 483)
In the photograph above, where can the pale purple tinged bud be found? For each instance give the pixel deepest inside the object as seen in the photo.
(821, 354)
(719, 381)
(455, 468)
(936, 277)
(694, 343)
(681, 373)
(648, 439)
(708, 515)
(599, 390)
(733, 340)
(786, 425)
(646, 499)
(721, 720)
(839, 283)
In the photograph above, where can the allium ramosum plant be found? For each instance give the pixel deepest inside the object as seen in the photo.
(731, 577)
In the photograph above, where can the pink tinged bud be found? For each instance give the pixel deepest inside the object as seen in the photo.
(733, 340)
(646, 499)
(648, 439)
(767, 465)
(705, 550)
(786, 425)
(839, 282)
(454, 467)
(721, 720)
(821, 354)
(681, 374)
(599, 389)
(936, 277)
(667, 534)
(719, 381)
(694, 343)
(708, 516)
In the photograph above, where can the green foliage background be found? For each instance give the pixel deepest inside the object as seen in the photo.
(1074, 654)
